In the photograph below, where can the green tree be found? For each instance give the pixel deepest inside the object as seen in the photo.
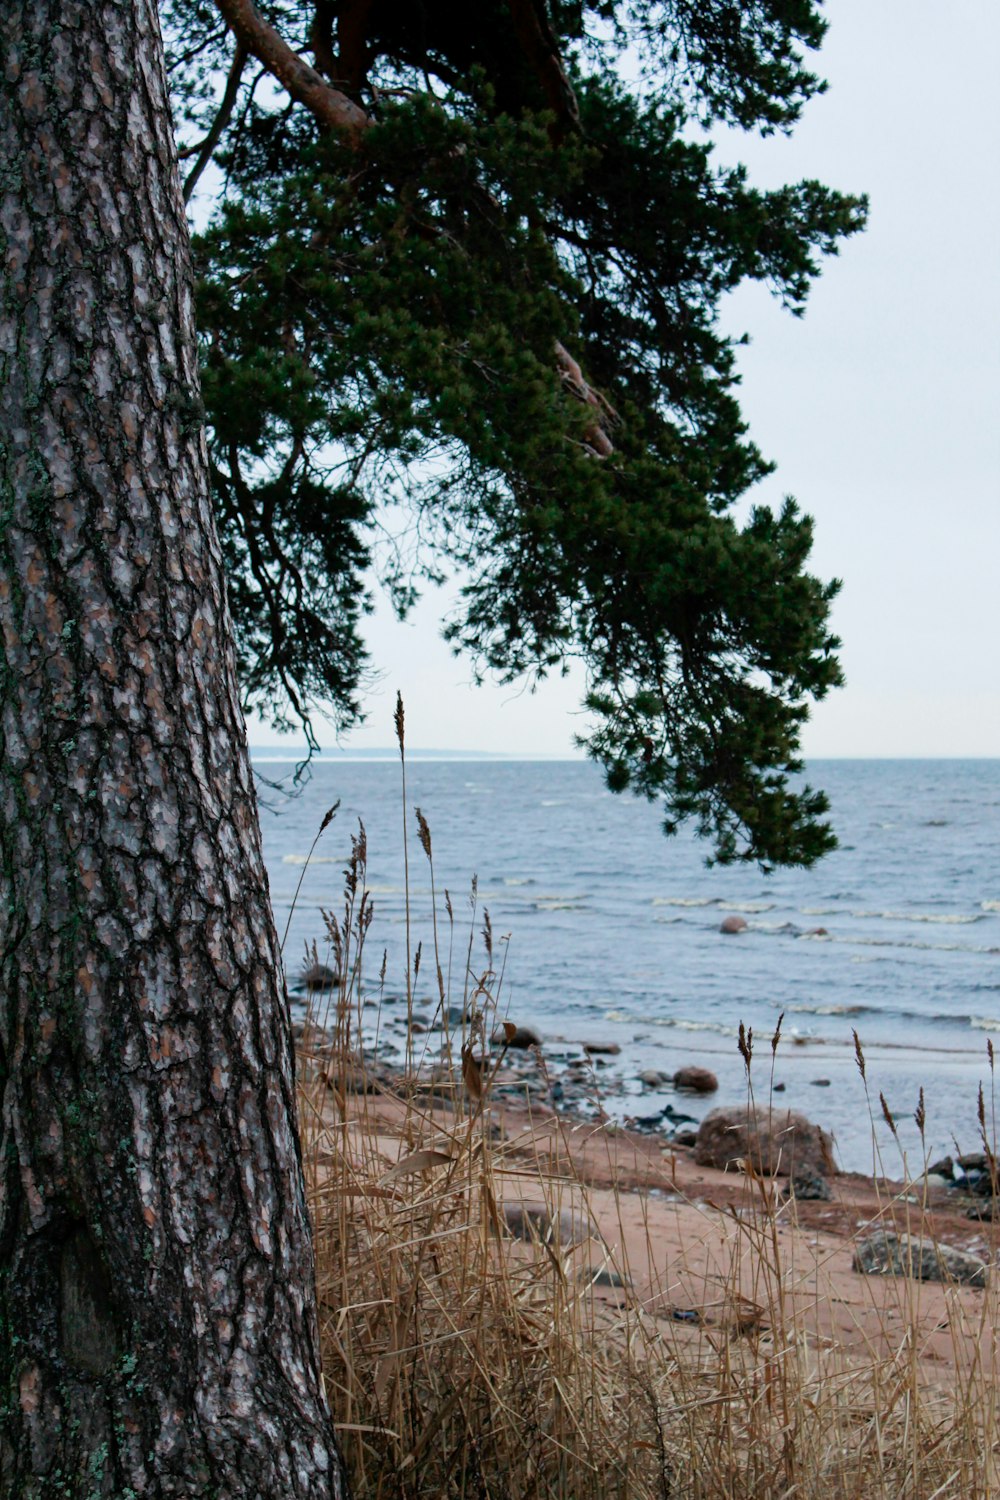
(459, 310)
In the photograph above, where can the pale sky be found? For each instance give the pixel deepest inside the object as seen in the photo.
(880, 407)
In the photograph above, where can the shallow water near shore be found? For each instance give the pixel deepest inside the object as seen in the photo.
(614, 930)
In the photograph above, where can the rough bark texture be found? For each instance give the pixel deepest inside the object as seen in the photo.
(156, 1283)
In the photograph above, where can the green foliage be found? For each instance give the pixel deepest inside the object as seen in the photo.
(380, 325)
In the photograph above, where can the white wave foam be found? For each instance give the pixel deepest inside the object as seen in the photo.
(830, 1010)
(990, 905)
(918, 947)
(675, 1023)
(304, 859)
(945, 920)
(518, 880)
(985, 1023)
(685, 901)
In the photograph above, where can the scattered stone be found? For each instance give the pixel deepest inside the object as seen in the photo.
(775, 1141)
(732, 925)
(603, 1049)
(604, 1276)
(973, 1161)
(779, 1088)
(815, 932)
(945, 1167)
(888, 1254)
(685, 1315)
(531, 1221)
(696, 1080)
(820, 1083)
(652, 1078)
(807, 1187)
(317, 977)
(349, 1077)
(523, 1038)
(684, 1138)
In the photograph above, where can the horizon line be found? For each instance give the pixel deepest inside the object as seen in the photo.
(277, 751)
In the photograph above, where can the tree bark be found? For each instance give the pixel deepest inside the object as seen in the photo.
(158, 1334)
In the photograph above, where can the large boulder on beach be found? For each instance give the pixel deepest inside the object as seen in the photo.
(886, 1253)
(776, 1142)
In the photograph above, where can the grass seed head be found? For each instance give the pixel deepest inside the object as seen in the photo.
(399, 719)
(424, 833)
(887, 1115)
(859, 1056)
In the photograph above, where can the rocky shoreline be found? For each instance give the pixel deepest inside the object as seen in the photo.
(583, 1083)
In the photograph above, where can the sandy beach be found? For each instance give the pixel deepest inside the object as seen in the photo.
(714, 1253)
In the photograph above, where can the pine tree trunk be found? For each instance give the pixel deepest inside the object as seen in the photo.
(158, 1332)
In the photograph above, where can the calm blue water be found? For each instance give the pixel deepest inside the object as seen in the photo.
(614, 930)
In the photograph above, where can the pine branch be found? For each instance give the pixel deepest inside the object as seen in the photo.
(301, 81)
(222, 119)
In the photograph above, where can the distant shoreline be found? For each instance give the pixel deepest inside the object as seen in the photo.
(276, 754)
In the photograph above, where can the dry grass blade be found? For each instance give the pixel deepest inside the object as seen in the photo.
(419, 1161)
(472, 1074)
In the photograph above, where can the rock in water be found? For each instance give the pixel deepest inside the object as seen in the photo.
(778, 1142)
(731, 925)
(888, 1254)
(317, 977)
(696, 1080)
(604, 1049)
(522, 1038)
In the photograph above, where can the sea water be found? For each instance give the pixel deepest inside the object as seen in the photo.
(608, 931)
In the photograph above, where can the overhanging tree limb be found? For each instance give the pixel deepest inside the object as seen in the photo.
(331, 107)
(414, 280)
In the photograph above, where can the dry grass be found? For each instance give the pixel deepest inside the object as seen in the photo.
(461, 1360)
